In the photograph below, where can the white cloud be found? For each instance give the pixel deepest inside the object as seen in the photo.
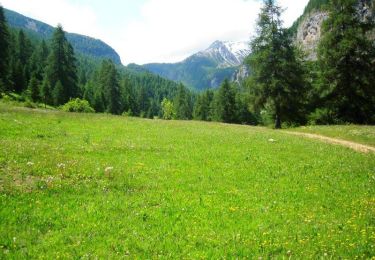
(74, 17)
(161, 30)
(169, 30)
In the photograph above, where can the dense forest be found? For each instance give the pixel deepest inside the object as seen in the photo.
(283, 89)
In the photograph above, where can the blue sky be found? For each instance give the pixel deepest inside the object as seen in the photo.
(144, 31)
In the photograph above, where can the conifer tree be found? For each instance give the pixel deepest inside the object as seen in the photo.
(181, 102)
(33, 89)
(111, 87)
(4, 51)
(46, 92)
(277, 80)
(62, 68)
(347, 64)
(58, 94)
(226, 103)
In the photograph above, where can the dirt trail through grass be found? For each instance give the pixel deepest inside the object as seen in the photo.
(352, 145)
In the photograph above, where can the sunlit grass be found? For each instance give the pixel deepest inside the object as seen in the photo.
(89, 186)
(355, 133)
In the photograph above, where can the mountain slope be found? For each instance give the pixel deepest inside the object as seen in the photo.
(205, 69)
(307, 28)
(82, 44)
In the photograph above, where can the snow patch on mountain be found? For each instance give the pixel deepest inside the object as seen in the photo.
(226, 53)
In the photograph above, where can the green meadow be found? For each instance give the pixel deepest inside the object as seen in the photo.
(100, 186)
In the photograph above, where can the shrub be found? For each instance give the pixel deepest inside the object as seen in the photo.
(30, 104)
(323, 116)
(168, 109)
(78, 105)
(129, 113)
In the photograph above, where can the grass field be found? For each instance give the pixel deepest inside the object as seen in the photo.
(355, 133)
(87, 186)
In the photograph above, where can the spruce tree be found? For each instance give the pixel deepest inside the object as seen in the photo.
(346, 59)
(58, 94)
(277, 80)
(111, 87)
(33, 89)
(226, 103)
(46, 93)
(182, 104)
(4, 51)
(62, 68)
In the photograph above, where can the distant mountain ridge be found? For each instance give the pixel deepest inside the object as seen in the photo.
(226, 53)
(82, 44)
(207, 68)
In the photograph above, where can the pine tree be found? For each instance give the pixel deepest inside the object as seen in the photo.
(111, 87)
(23, 54)
(226, 103)
(182, 104)
(46, 93)
(347, 64)
(62, 68)
(38, 60)
(4, 51)
(128, 97)
(33, 89)
(58, 94)
(277, 80)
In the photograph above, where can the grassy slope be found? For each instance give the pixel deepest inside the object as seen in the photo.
(354, 133)
(177, 189)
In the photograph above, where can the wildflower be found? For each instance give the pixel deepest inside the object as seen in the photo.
(108, 169)
(61, 166)
(30, 163)
(271, 140)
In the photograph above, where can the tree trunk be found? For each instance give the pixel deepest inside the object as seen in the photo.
(277, 122)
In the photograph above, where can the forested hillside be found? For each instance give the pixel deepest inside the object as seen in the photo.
(82, 44)
(284, 88)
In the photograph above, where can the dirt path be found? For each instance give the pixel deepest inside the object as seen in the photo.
(352, 145)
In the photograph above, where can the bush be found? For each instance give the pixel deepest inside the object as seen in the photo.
(30, 104)
(78, 105)
(323, 116)
(129, 113)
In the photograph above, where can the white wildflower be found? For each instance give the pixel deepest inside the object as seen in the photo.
(61, 165)
(30, 163)
(108, 169)
(271, 140)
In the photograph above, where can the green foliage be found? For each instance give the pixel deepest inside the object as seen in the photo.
(226, 109)
(46, 92)
(83, 45)
(196, 72)
(346, 62)
(183, 104)
(109, 84)
(4, 50)
(62, 67)
(78, 105)
(168, 109)
(58, 94)
(202, 106)
(33, 89)
(277, 80)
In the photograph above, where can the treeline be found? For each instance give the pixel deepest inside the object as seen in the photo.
(283, 88)
(50, 72)
(337, 88)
